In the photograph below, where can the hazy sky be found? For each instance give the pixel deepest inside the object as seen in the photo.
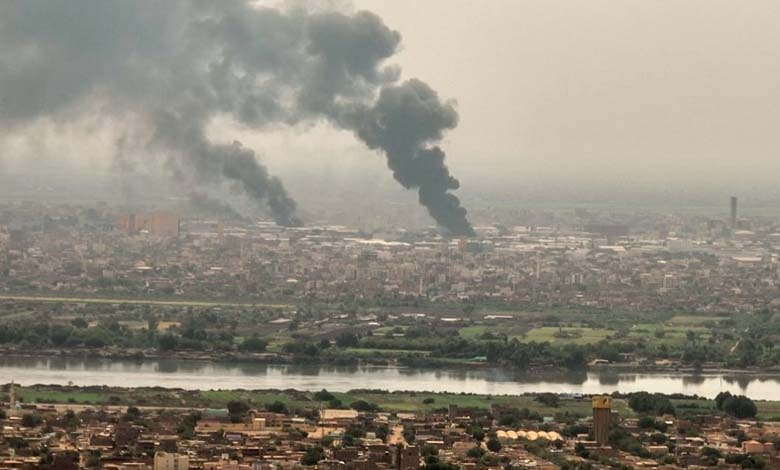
(673, 90)
(676, 92)
(668, 91)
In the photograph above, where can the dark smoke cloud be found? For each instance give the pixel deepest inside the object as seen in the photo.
(205, 205)
(178, 64)
(404, 122)
(232, 161)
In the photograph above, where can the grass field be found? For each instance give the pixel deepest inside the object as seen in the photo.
(50, 396)
(275, 344)
(768, 410)
(694, 320)
(392, 402)
(572, 335)
(671, 334)
(383, 330)
(472, 332)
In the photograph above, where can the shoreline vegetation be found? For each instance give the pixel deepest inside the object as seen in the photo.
(387, 361)
(536, 404)
(561, 339)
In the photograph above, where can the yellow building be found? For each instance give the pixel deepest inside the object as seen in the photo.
(158, 223)
(602, 418)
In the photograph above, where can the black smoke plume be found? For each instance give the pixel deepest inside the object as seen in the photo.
(405, 122)
(206, 205)
(176, 65)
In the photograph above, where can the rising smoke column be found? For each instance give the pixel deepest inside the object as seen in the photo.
(232, 161)
(203, 204)
(174, 66)
(405, 122)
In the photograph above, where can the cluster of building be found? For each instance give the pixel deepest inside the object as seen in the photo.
(692, 262)
(702, 266)
(157, 224)
(344, 439)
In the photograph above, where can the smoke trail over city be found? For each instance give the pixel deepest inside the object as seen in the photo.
(208, 206)
(175, 66)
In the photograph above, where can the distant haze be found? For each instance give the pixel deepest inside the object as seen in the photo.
(662, 90)
(592, 93)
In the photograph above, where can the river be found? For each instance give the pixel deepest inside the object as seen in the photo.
(216, 375)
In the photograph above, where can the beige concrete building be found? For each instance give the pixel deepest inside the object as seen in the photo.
(171, 461)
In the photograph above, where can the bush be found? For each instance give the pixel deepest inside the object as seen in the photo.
(493, 444)
(31, 420)
(516, 415)
(433, 463)
(581, 451)
(381, 432)
(254, 344)
(745, 461)
(95, 342)
(347, 340)
(740, 407)
(133, 412)
(237, 407)
(237, 410)
(167, 342)
(658, 438)
(548, 399)
(300, 347)
(362, 405)
(312, 456)
(711, 455)
(409, 434)
(475, 452)
(656, 403)
(720, 398)
(277, 407)
(573, 430)
(323, 395)
(646, 422)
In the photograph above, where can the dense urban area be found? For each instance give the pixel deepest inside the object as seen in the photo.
(389, 235)
(71, 427)
(661, 291)
(571, 291)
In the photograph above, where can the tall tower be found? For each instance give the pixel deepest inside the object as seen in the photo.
(602, 418)
(13, 403)
(733, 213)
(131, 224)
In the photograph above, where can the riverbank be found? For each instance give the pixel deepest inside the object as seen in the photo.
(46, 396)
(294, 399)
(194, 374)
(272, 358)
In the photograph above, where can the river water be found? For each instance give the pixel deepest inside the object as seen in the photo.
(211, 375)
